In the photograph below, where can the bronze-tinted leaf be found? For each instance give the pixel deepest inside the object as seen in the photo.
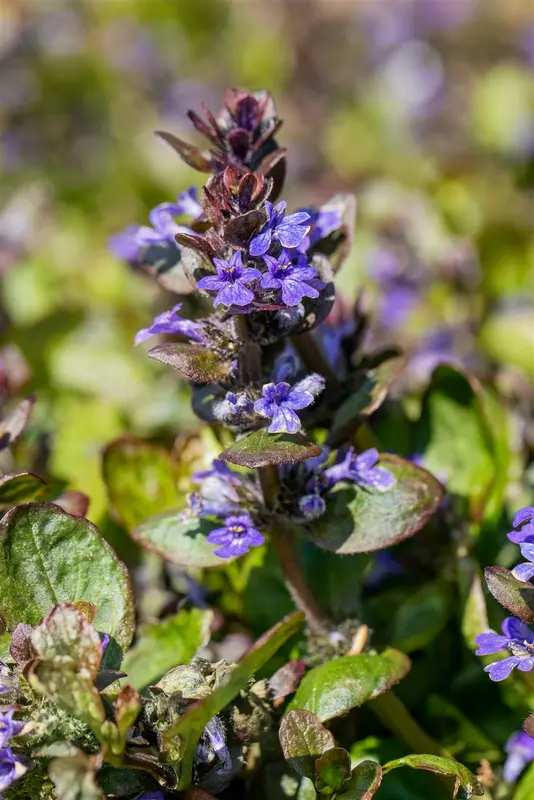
(261, 449)
(193, 360)
(516, 596)
(193, 156)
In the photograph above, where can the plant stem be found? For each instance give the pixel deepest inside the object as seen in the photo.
(313, 358)
(396, 718)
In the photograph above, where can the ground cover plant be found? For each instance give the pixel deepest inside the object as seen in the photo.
(290, 590)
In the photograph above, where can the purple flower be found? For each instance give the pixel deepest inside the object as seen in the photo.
(384, 566)
(124, 245)
(280, 402)
(238, 403)
(187, 203)
(220, 470)
(213, 732)
(291, 279)
(236, 537)
(170, 323)
(312, 506)
(525, 571)
(523, 532)
(289, 231)
(9, 727)
(10, 768)
(362, 470)
(164, 228)
(518, 639)
(520, 749)
(230, 282)
(219, 495)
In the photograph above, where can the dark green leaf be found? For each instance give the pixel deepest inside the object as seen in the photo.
(303, 739)
(261, 449)
(364, 783)
(165, 644)
(332, 769)
(190, 726)
(334, 688)
(475, 614)
(191, 155)
(453, 433)
(182, 541)
(525, 787)
(74, 778)
(193, 360)
(516, 596)
(441, 766)
(125, 782)
(141, 480)
(359, 519)
(367, 397)
(48, 556)
(20, 487)
(420, 618)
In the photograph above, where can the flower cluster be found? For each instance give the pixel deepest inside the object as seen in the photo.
(264, 277)
(11, 767)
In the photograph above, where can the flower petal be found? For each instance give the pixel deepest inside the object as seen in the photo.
(500, 670)
(298, 399)
(490, 643)
(515, 629)
(260, 244)
(234, 295)
(284, 421)
(523, 515)
(524, 572)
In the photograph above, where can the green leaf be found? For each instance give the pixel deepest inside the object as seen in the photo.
(190, 726)
(525, 787)
(161, 646)
(370, 393)
(65, 633)
(364, 783)
(74, 778)
(141, 480)
(126, 706)
(516, 596)
(261, 449)
(195, 361)
(332, 769)
(182, 541)
(441, 766)
(71, 686)
(475, 614)
(360, 519)
(334, 688)
(303, 739)
(48, 556)
(117, 782)
(20, 487)
(420, 618)
(454, 436)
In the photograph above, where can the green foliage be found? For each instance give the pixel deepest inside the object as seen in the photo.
(464, 779)
(181, 540)
(359, 519)
(334, 688)
(263, 449)
(48, 556)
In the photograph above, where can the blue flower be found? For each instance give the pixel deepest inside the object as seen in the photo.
(525, 571)
(230, 282)
(236, 537)
(289, 231)
(171, 324)
(280, 401)
(520, 749)
(9, 727)
(127, 243)
(238, 403)
(518, 639)
(214, 735)
(292, 279)
(219, 491)
(312, 506)
(361, 469)
(10, 768)
(523, 532)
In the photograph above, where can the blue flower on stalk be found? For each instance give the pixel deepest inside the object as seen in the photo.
(236, 537)
(280, 401)
(9, 727)
(523, 532)
(518, 639)
(520, 749)
(291, 279)
(171, 324)
(214, 735)
(289, 231)
(230, 282)
(10, 768)
(525, 571)
(361, 469)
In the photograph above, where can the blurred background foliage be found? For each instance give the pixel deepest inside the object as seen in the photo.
(424, 108)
